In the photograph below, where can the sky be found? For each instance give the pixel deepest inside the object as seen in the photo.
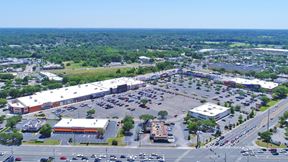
(224, 14)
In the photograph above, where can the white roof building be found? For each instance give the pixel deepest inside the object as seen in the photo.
(51, 76)
(262, 83)
(82, 123)
(209, 111)
(66, 93)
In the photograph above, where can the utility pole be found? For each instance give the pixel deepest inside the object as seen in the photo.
(54, 153)
(268, 120)
(106, 153)
(198, 139)
(78, 113)
(225, 158)
(12, 151)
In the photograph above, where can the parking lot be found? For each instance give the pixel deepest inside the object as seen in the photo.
(177, 95)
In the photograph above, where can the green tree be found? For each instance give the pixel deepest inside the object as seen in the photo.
(128, 124)
(251, 114)
(12, 121)
(193, 127)
(2, 118)
(232, 110)
(3, 102)
(91, 112)
(118, 71)
(265, 136)
(46, 130)
(163, 114)
(146, 117)
(265, 100)
(240, 119)
(143, 102)
(280, 92)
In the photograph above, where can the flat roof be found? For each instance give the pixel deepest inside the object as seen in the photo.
(159, 129)
(262, 83)
(71, 92)
(209, 109)
(272, 49)
(82, 123)
(244, 81)
(51, 76)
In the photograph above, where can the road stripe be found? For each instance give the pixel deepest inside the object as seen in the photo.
(182, 156)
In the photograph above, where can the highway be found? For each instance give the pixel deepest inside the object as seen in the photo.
(245, 134)
(34, 153)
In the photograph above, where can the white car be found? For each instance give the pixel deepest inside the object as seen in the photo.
(171, 139)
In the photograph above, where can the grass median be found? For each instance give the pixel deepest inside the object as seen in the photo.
(269, 145)
(269, 104)
(45, 142)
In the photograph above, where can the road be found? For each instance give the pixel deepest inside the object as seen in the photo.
(34, 153)
(247, 132)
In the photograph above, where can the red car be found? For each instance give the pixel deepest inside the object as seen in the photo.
(18, 159)
(63, 158)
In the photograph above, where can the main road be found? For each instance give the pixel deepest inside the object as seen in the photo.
(34, 153)
(245, 134)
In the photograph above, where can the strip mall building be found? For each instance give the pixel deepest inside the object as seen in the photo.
(81, 125)
(68, 95)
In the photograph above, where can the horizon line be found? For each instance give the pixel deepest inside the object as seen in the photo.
(144, 28)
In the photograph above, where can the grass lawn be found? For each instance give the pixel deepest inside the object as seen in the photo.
(4, 129)
(74, 65)
(239, 45)
(269, 104)
(45, 142)
(89, 71)
(269, 145)
(119, 138)
(94, 74)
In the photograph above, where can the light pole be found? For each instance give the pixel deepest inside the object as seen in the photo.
(268, 120)
(54, 153)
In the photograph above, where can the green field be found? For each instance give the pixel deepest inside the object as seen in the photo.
(94, 74)
(234, 45)
(74, 65)
(45, 142)
(269, 104)
(268, 145)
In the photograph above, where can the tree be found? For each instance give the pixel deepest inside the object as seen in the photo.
(146, 117)
(3, 102)
(118, 71)
(12, 121)
(14, 93)
(265, 100)
(193, 127)
(114, 142)
(46, 130)
(232, 110)
(143, 102)
(286, 132)
(91, 112)
(240, 119)
(237, 108)
(280, 92)
(2, 118)
(162, 114)
(128, 123)
(265, 136)
(252, 114)
(127, 126)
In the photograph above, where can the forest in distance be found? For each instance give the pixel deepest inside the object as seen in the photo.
(97, 47)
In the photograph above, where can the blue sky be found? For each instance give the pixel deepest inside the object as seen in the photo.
(259, 14)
